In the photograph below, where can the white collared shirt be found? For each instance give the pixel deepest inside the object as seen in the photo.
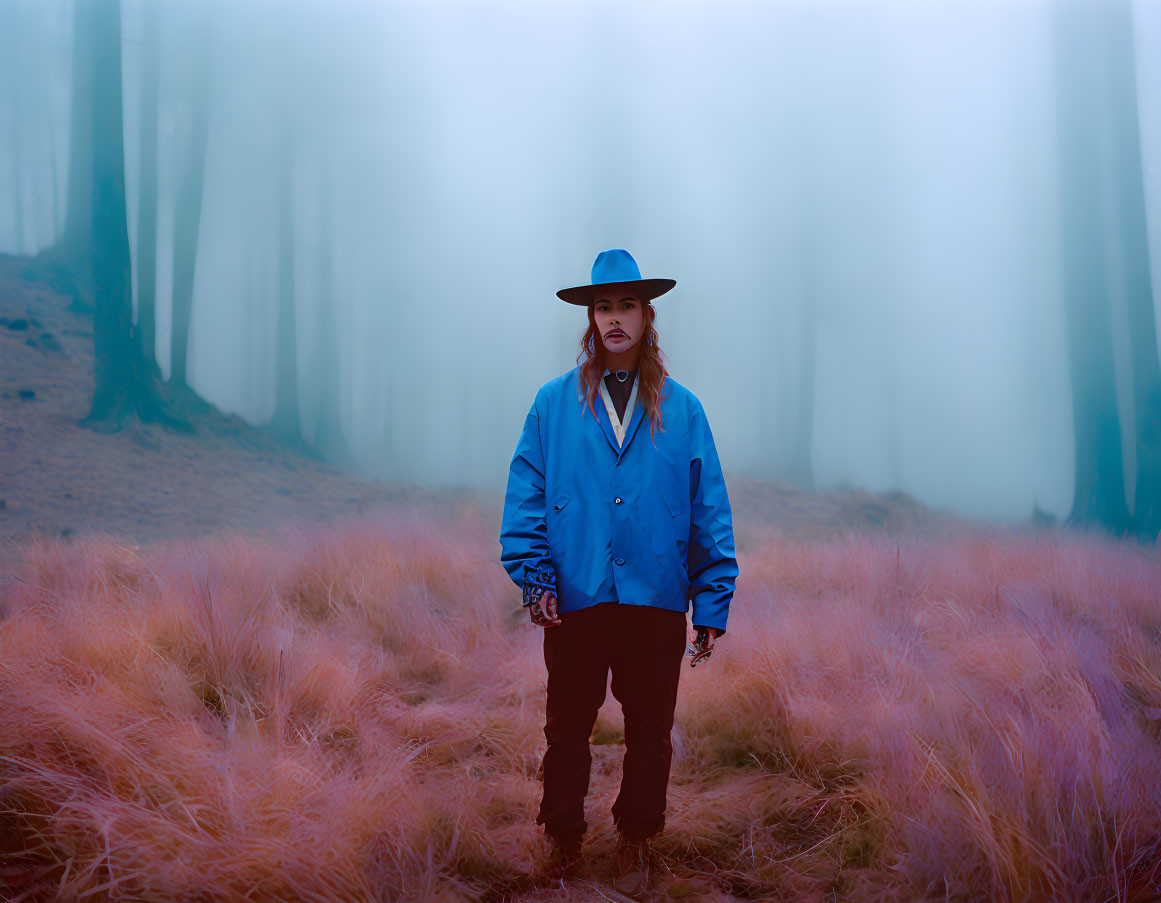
(618, 425)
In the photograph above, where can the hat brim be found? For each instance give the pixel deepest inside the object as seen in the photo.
(644, 289)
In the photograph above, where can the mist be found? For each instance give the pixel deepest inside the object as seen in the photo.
(879, 216)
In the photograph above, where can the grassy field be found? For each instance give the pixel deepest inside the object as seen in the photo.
(355, 712)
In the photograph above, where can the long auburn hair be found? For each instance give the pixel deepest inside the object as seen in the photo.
(651, 372)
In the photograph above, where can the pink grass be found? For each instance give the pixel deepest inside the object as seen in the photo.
(356, 712)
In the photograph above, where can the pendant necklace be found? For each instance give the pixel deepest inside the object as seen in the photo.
(622, 375)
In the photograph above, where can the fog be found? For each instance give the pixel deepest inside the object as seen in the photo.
(874, 212)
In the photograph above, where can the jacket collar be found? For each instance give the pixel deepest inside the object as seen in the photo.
(606, 423)
(610, 434)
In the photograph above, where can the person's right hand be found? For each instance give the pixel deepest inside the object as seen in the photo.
(543, 612)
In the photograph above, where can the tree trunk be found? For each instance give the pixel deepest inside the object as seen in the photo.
(1082, 90)
(329, 440)
(285, 423)
(120, 385)
(187, 225)
(147, 194)
(1132, 249)
(801, 472)
(14, 132)
(64, 266)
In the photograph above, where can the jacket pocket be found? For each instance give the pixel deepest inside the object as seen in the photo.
(680, 521)
(561, 501)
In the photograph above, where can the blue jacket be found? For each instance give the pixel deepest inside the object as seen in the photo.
(648, 523)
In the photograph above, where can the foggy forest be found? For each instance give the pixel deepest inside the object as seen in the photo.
(283, 365)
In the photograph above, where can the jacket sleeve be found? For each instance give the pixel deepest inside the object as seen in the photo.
(710, 557)
(523, 532)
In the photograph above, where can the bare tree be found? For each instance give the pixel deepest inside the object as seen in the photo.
(329, 440)
(122, 385)
(188, 212)
(285, 424)
(1091, 112)
(1132, 250)
(64, 265)
(147, 192)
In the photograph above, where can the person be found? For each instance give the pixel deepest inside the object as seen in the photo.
(610, 532)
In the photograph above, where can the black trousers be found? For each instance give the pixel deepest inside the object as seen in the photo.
(643, 646)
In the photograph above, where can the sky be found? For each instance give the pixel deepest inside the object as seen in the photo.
(886, 171)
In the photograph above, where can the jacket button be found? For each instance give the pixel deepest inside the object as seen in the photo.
(620, 560)
(617, 500)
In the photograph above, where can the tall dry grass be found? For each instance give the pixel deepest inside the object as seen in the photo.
(355, 713)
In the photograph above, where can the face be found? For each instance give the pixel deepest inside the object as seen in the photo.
(619, 320)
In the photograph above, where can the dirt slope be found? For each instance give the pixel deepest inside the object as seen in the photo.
(146, 481)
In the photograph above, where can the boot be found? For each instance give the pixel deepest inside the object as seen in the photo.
(565, 859)
(633, 855)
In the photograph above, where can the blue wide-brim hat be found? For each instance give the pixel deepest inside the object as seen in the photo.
(616, 269)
